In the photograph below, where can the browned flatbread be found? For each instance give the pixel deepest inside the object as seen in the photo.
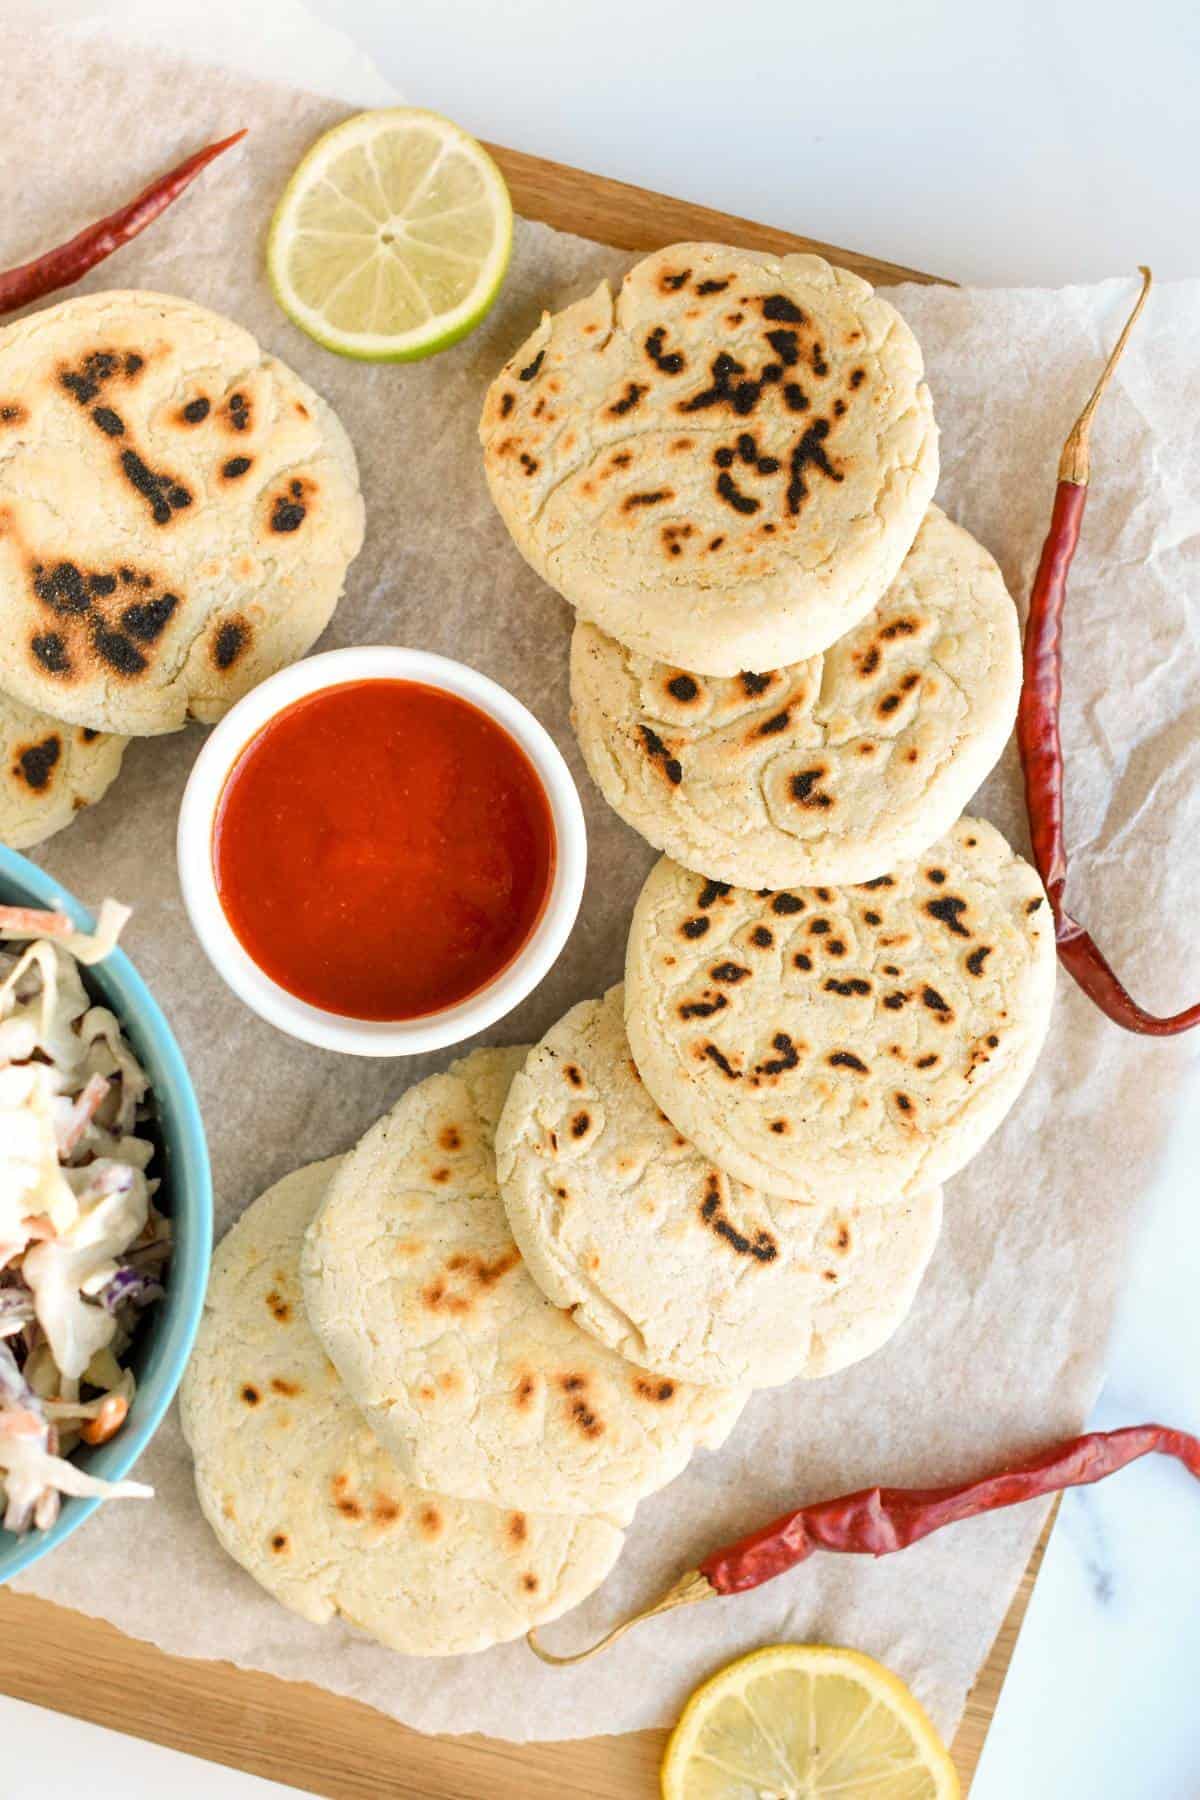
(304, 1497)
(48, 772)
(842, 1045)
(660, 1255)
(832, 770)
(475, 1382)
(177, 512)
(724, 464)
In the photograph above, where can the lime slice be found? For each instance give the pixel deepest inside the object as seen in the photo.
(392, 237)
(801, 1722)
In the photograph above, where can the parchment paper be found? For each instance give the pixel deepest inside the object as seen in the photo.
(1005, 1345)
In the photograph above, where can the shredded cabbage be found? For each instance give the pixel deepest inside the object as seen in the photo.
(82, 1245)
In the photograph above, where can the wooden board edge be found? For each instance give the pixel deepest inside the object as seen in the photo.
(634, 218)
(325, 1744)
(291, 1732)
(967, 1747)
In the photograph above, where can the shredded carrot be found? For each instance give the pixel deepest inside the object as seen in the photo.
(108, 1421)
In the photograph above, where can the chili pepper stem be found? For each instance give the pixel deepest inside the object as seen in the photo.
(689, 1588)
(1074, 464)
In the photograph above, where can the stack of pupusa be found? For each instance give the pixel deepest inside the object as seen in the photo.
(790, 671)
(177, 514)
(789, 667)
(395, 1419)
(390, 1422)
(434, 1379)
(729, 1169)
(301, 1492)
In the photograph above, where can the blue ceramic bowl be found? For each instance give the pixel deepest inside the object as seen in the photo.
(168, 1328)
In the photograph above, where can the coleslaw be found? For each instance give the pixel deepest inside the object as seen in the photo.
(83, 1247)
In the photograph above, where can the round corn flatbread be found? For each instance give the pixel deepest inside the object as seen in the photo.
(177, 512)
(477, 1383)
(722, 467)
(660, 1255)
(48, 772)
(305, 1498)
(835, 769)
(844, 1044)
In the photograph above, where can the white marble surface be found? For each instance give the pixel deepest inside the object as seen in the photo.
(45, 1756)
(1100, 1698)
(1047, 142)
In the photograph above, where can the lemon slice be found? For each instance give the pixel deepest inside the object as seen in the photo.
(392, 237)
(803, 1721)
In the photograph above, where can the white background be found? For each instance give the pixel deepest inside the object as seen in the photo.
(1019, 142)
(1042, 141)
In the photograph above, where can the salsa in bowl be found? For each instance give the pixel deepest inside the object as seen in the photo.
(381, 851)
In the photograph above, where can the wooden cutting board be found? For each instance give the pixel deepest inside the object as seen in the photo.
(290, 1731)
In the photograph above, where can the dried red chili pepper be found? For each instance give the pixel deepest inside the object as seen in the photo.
(72, 260)
(876, 1521)
(1038, 736)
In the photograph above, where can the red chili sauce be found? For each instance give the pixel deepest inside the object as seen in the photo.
(383, 849)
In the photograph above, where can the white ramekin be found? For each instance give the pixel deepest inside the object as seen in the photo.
(332, 1031)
